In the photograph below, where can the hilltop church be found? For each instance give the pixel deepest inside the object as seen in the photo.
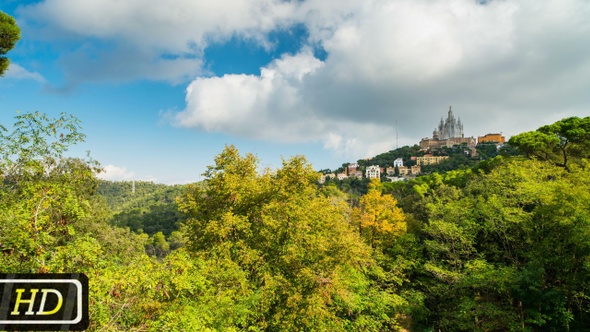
(448, 133)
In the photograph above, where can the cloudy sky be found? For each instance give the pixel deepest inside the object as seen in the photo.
(162, 85)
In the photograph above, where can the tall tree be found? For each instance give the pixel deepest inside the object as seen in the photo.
(562, 142)
(283, 255)
(42, 194)
(9, 35)
(378, 217)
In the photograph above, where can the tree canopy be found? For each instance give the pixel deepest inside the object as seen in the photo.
(562, 142)
(286, 248)
(501, 246)
(43, 195)
(9, 35)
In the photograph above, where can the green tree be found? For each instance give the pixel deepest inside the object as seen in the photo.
(53, 221)
(508, 252)
(9, 35)
(42, 194)
(487, 151)
(378, 217)
(562, 142)
(282, 253)
(386, 159)
(158, 247)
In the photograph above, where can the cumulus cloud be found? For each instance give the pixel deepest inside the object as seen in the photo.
(409, 60)
(503, 65)
(127, 40)
(179, 25)
(17, 72)
(274, 106)
(254, 106)
(116, 173)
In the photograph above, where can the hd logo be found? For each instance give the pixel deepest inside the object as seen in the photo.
(43, 302)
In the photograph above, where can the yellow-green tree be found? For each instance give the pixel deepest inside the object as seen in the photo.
(378, 217)
(52, 221)
(282, 255)
(42, 194)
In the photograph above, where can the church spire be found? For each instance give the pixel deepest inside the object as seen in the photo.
(450, 127)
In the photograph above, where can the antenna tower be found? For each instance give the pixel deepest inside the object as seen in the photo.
(396, 136)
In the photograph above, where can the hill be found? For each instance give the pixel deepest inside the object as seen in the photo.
(151, 208)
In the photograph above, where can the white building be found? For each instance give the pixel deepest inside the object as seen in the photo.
(399, 162)
(373, 172)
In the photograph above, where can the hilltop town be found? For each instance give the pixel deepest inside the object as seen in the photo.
(447, 139)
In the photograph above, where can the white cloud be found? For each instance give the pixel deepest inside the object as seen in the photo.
(15, 71)
(273, 107)
(162, 40)
(362, 141)
(268, 106)
(116, 173)
(124, 64)
(121, 173)
(174, 25)
(504, 66)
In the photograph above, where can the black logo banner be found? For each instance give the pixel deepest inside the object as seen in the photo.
(44, 302)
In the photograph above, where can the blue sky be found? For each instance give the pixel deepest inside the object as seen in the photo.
(162, 86)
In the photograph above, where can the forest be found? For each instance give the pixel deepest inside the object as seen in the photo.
(498, 246)
(494, 243)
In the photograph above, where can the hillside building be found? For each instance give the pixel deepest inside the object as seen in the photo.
(403, 171)
(390, 171)
(429, 159)
(373, 172)
(416, 170)
(492, 138)
(351, 169)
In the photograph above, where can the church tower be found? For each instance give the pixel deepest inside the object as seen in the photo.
(450, 127)
(449, 132)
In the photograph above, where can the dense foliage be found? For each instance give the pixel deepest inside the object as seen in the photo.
(143, 207)
(128, 195)
(386, 159)
(564, 142)
(500, 246)
(9, 35)
(286, 248)
(505, 250)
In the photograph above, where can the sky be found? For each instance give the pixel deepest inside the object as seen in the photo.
(161, 86)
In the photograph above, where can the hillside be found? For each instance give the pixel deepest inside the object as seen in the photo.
(151, 208)
(502, 246)
(460, 157)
